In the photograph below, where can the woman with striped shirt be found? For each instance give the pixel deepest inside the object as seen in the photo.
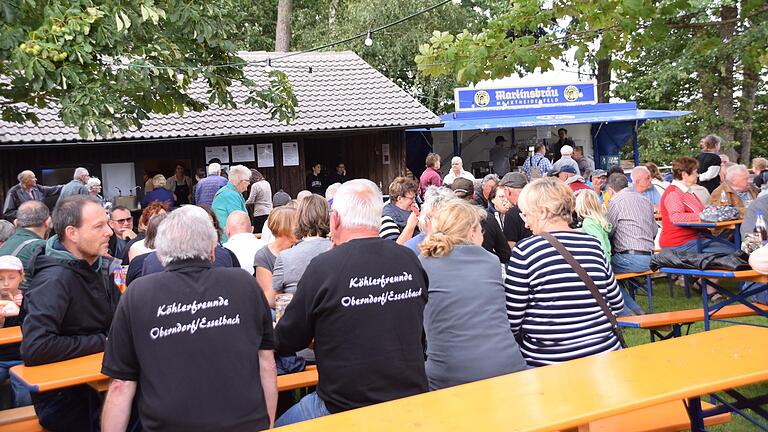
(550, 309)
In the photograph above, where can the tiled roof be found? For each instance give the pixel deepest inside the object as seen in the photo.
(341, 92)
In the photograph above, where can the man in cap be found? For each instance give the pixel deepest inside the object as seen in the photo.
(569, 176)
(567, 160)
(514, 226)
(493, 237)
(599, 177)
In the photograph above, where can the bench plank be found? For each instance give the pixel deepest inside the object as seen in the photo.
(668, 417)
(10, 335)
(622, 276)
(685, 316)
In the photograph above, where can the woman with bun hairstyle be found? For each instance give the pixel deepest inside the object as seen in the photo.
(465, 321)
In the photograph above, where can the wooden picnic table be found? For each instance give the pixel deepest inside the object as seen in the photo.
(10, 335)
(707, 278)
(574, 393)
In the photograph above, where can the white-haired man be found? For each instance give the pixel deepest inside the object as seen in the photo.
(206, 188)
(78, 184)
(738, 192)
(642, 184)
(362, 302)
(26, 190)
(566, 159)
(456, 171)
(230, 197)
(204, 332)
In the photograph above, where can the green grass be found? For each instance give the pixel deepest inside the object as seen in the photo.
(662, 302)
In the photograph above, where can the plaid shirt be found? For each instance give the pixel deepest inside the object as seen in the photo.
(537, 161)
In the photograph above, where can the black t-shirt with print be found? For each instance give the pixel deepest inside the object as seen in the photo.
(514, 227)
(191, 337)
(363, 303)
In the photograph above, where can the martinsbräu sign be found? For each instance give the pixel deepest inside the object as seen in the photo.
(472, 99)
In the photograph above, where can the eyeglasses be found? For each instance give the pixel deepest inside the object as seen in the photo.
(123, 221)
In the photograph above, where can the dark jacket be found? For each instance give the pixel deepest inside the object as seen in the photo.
(17, 195)
(69, 306)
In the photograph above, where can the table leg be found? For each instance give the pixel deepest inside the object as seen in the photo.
(705, 302)
(649, 287)
(694, 413)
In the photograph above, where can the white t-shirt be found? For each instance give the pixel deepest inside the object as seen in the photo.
(244, 246)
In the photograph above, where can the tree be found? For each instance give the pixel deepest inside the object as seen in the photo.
(394, 48)
(658, 44)
(107, 66)
(283, 31)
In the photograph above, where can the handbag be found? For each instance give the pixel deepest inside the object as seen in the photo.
(589, 283)
(719, 213)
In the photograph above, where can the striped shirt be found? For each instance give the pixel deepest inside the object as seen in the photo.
(633, 223)
(389, 229)
(550, 309)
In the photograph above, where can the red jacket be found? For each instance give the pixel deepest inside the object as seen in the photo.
(429, 177)
(678, 206)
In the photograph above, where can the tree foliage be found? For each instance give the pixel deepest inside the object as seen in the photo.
(394, 48)
(673, 54)
(107, 65)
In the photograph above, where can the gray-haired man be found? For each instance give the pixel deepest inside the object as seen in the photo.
(364, 294)
(78, 184)
(193, 343)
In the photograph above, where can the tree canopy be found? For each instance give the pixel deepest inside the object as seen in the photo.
(677, 54)
(107, 65)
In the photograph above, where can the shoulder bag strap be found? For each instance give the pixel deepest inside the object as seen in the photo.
(23, 245)
(588, 282)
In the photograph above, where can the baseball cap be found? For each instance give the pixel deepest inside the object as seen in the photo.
(280, 199)
(599, 173)
(567, 169)
(10, 262)
(462, 187)
(515, 180)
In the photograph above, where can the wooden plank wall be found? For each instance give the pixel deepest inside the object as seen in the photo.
(360, 151)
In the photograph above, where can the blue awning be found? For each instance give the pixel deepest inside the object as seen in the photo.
(549, 116)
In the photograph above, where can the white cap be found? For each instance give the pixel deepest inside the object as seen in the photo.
(10, 262)
(566, 150)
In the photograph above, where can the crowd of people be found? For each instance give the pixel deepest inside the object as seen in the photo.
(390, 296)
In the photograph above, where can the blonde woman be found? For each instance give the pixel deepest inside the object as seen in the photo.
(464, 320)
(549, 307)
(594, 220)
(282, 224)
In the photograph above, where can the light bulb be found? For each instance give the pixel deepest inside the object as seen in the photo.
(368, 39)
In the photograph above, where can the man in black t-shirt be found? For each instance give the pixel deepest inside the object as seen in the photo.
(362, 302)
(709, 162)
(514, 226)
(194, 343)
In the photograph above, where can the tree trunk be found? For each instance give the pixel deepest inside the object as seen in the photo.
(283, 32)
(726, 83)
(333, 8)
(604, 79)
(749, 86)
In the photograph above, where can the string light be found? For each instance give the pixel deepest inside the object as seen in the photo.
(268, 67)
(368, 39)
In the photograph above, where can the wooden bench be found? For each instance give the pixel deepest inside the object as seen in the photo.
(10, 335)
(24, 419)
(656, 322)
(633, 286)
(21, 419)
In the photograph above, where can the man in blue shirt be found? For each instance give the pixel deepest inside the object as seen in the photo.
(641, 183)
(206, 188)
